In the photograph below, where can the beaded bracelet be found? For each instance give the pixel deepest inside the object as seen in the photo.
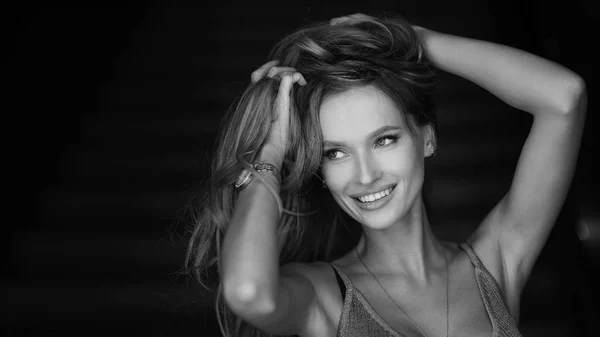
(246, 176)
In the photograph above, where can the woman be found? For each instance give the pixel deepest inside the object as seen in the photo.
(348, 104)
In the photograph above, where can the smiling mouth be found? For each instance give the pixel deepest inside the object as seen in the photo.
(375, 196)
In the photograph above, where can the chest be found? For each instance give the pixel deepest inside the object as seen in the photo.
(430, 312)
(410, 311)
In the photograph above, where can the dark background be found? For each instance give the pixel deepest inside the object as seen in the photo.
(111, 111)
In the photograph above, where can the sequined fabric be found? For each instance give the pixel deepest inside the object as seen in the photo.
(360, 319)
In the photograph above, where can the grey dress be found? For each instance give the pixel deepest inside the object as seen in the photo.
(359, 319)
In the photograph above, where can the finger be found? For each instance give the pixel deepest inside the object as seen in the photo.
(283, 96)
(361, 17)
(337, 21)
(277, 71)
(298, 78)
(281, 73)
(342, 19)
(350, 19)
(260, 72)
(282, 101)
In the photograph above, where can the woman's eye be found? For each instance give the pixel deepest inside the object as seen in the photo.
(334, 154)
(387, 140)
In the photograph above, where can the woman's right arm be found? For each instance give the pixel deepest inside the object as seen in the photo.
(276, 301)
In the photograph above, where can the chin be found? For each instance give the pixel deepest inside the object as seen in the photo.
(380, 219)
(380, 222)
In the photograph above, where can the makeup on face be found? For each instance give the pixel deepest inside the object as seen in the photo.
(370, 159)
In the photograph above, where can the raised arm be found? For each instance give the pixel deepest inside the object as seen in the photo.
(275, 300)
(513, 234)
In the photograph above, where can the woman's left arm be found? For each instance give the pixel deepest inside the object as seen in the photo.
(517, 228)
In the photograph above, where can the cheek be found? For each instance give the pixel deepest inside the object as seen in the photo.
(337, 176)
(402, 161)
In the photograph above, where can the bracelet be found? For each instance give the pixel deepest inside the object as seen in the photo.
(245, 177)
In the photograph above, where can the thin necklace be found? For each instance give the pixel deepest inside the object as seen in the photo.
(399, 307)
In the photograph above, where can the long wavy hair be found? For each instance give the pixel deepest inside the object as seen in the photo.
(382, 52)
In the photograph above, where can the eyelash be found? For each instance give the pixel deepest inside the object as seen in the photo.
(392, 138)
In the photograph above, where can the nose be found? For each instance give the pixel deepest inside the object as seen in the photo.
(367, 170)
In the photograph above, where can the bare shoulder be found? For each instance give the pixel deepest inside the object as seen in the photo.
(317, 272)
(320, 274)
(328, 308)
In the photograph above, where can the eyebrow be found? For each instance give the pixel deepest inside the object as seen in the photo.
(373, 134)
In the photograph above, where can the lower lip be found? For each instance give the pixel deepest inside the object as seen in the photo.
(371, 206)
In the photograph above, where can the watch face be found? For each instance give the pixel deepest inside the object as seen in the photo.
(243, 178)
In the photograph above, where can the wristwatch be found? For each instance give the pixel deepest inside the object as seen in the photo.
(245, 177)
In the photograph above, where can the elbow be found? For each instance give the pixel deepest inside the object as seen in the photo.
(247, 298)
(574, 99)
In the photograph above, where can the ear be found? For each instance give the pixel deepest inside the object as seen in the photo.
(429, 140)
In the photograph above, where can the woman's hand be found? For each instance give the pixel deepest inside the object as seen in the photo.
(351, 19)
(422, 35)
(276, 144)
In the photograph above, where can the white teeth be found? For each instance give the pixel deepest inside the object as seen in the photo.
(375, 196)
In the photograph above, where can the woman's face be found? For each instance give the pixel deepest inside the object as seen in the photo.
(372, 164)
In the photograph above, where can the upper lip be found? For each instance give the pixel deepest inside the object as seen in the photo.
(372, 191)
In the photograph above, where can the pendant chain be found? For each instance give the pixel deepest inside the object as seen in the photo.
(399, 307)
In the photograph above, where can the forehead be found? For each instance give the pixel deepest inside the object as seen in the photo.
(357, 112)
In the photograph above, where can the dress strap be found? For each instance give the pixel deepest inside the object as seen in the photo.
(339, 281)
(503, 324)
(474, 258)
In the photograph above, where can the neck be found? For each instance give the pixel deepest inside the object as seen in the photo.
(408, 248)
